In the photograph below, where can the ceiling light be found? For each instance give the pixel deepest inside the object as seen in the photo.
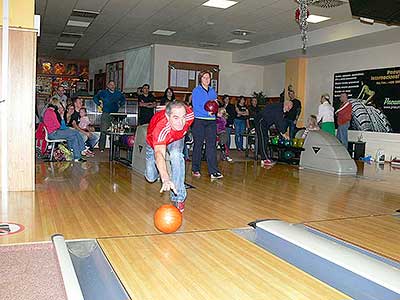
(242, 32)
(238, 41)
(63, 44)
(85, 13)
(78, 23)
(367, 20)
(71, 35)
(208, 44)
(63, 49)
(219, 3)
(164, 32)
(210, 23)
(316, 19)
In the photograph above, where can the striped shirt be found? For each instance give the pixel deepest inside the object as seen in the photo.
(160, 132)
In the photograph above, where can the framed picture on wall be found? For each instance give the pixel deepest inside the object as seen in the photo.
(115, 71)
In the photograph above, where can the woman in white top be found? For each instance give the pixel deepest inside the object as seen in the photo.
(326, 115)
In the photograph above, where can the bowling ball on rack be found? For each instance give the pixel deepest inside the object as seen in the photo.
(167, 218)
(288, 155)
(131, 140)
(275, 140)
(211, 106)
(287, 143)
(300, 143)
(295, 142)
(281, 141)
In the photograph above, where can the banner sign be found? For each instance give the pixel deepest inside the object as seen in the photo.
(375, 98)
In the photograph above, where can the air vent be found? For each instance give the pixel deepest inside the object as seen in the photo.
(84, 13)
(242, 32)
(71, 35)
(328, 3)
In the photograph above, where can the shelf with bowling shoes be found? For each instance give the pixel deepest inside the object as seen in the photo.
(287, 151)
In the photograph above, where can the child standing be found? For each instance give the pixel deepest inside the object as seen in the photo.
(222, 134)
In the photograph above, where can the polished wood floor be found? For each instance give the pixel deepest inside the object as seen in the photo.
(379, 234)
(208, 265)
(114, 204)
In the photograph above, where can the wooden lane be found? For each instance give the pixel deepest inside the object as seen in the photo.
(379, 234)
(105, 200)
(207, 265)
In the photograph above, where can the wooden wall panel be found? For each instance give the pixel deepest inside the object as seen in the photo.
(21, 110)
(296, 75)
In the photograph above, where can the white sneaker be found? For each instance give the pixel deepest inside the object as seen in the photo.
(229, 159)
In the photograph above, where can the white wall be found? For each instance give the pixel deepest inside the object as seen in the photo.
(137, 66)
(234, 79)
(274, 79)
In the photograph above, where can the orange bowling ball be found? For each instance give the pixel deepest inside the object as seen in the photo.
(167, 218)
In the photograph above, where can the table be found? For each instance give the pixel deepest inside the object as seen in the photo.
(115, 147)
(356, 149)
(251, 136)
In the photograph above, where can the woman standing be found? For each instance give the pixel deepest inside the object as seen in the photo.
(169, 96)
(242, 114)
(326, 115)
(204, 127)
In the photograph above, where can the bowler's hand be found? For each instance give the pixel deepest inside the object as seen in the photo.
(286, 135)
(168, 185)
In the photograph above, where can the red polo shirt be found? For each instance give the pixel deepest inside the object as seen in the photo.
(159, 131)
(344, 113)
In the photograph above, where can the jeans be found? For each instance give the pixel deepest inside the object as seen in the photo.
(177, 175)
(74, 140)
(228, 133)
(292, 126)
(105, 123)
(240, 126)
(262, 136)
(342, 132)
(92, 140)
(205, 130)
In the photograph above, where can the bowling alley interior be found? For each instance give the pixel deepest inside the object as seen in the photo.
(200, 149)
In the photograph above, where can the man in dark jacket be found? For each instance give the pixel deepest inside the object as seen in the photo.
(110, 100)
(272, 114)
(293, 114)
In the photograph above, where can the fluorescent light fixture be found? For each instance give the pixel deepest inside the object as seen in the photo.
(219, 3)
(367, 20)
(208, 44)
(78, 23)
(316, 19)
(63, 44)
(238, 41)
(164, 32)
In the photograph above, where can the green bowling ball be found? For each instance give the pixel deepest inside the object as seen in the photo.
(275, 140)
(287, 143)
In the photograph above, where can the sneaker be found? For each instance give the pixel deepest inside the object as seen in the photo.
(180, 206)
(267, 162)
(216, 175)
(196, 173)
(80, 159)
(229, 159)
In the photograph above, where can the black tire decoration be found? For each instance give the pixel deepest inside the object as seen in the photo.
(368, 118)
